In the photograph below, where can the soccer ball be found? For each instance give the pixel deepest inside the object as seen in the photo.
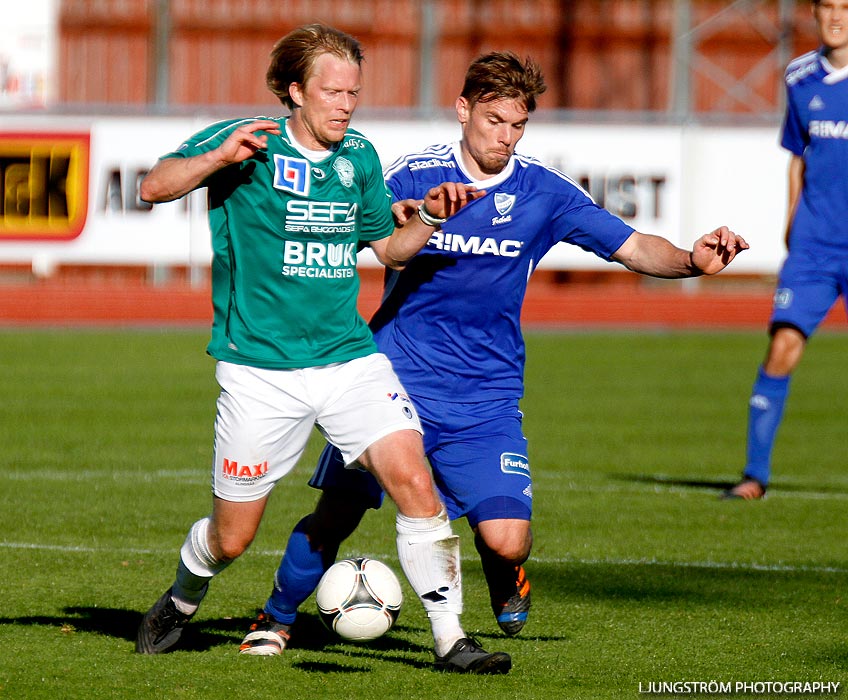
(359, 599)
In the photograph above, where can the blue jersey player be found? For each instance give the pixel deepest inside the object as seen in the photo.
(450, 323)
(815, 272)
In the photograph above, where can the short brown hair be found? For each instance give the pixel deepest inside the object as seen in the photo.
(294, 55)
(502, 74)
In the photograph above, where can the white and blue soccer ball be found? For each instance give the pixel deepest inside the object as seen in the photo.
(359, 599)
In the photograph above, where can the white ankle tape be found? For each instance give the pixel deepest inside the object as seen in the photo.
(195, 552)
(437, 524)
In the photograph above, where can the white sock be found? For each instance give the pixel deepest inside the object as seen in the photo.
(429, 556)
(196, 568)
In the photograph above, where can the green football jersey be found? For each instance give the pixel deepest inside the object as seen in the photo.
(285, 233)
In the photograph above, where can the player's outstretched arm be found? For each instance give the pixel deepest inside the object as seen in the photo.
(417, 219)
(172, 178)
(658, 257)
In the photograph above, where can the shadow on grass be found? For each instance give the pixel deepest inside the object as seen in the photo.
(695, 585)
(204, 634)
(720, 485)
(659, 480)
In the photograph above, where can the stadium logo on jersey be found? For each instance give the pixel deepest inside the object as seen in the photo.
(344, 169)
(504, 202)
(802, 72)
(291, 174)
(512, 463)
(783, 298)
(816, 104)
(457, 243)
(431, 163)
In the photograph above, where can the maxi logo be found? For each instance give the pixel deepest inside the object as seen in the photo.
(291, 174)
(231, 469)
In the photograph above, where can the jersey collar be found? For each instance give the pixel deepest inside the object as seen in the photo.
(309, 154)
(486, 182)
(834, 75)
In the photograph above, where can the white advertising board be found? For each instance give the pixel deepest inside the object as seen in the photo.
(678, 182)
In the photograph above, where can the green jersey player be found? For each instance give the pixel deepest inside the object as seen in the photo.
(290, 202)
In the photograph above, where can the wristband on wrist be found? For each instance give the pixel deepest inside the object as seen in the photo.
(428, 218)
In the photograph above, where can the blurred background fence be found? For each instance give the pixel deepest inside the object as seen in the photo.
(680, 58)
(667, 111)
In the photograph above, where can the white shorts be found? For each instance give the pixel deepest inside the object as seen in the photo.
(265, 418)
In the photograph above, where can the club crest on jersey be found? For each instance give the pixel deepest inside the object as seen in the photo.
(291, 174)
(504, 202)
(783, 298)
(344, 169)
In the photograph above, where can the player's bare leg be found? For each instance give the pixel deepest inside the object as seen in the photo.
(211, 545)
(504, 545)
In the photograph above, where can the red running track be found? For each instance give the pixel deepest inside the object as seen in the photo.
(550, 305)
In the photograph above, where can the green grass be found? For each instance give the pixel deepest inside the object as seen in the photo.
(640, 573)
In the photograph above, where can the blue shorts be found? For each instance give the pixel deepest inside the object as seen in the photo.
(478, 454)
(808, 287)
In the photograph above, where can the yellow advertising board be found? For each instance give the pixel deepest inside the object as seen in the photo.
(43, 185)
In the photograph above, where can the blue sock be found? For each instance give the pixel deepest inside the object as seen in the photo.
(298, 574)
(765, 412)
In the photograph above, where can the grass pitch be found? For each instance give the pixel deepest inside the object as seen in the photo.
(640, 573)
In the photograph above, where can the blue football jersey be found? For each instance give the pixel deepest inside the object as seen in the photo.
(450, 321)
(816, 127)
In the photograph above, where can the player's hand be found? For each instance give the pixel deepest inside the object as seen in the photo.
(245, 142)
(403, 210)
(713, 252)
(445, 200)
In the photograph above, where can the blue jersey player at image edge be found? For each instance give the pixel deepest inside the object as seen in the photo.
(815, 272)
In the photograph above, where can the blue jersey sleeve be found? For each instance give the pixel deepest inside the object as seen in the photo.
(400, 185)
(794, 135)
(581, 222)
